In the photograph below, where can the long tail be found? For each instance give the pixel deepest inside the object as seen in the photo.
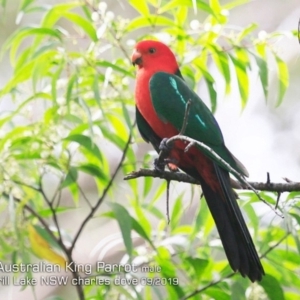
(234, 234)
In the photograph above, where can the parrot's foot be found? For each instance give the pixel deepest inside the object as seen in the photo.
(163, 160)
(173, 167)
(163, 146)
(160, 165)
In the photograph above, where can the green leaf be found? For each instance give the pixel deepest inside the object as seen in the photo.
(272, 287)
(86, 25)
(222, 62)
(199, 265)
(176, 212)
(96, 91)
(147, 185)
(235, 3)
(283, 76)
(150, 21)
(5, 247)
(296, 216)
(135, 226)
(87, 143)
(48, 213)
(93, 170)
(246, 31)
(190, 3)
(217, 293)
(25, 3)
(3, 3)
(210, 85)
(143, 221)
(22, 75)
(252, 215)
(242, 79)
(158, 193)
(106, 64)
(141, 6)
(45, 235)
(55, 78)
(69, 91)
(263, 73)
(140, 230)
(125, 224)
(70, 178)
(18, 37)
(181, 15)
(154, 211)
(114, 138)
(56, 12)
(212, 94)
(215, 6)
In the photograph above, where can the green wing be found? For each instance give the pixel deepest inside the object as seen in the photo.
(146, 131)
(169, 95)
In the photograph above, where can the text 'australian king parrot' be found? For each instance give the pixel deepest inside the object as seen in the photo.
(161, 96)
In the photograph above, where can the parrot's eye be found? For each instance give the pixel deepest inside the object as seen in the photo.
(152, 50)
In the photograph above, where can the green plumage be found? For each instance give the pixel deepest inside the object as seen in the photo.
(170, 94)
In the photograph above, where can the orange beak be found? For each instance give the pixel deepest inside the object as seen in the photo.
(136, 58)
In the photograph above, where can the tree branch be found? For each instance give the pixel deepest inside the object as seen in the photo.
(163, 158)
(183, 177)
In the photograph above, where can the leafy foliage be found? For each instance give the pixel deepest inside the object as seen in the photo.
(70, 95)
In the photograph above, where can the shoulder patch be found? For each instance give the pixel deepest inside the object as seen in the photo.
(174, 85)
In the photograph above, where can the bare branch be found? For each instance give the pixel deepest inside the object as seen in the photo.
(182, 177)
(186, 115)
(163, 156)
(167, 201)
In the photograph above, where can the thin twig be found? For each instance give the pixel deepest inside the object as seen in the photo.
(167, 201)
(164, 152)
(34, 213)
(186, 116)
(275, 245)
(277, 201)
(53, 211)
(268, 178)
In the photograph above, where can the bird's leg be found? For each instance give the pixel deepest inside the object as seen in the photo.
(163, 157)
(164, 146)
(159, 165)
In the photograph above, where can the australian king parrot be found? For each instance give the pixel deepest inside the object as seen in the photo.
(161, 97)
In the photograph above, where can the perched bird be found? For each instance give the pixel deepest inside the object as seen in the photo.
(161, 97)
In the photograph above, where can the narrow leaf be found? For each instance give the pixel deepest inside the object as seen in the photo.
(125, 224)
(263, 73)
(105, 63)
(272, 287)
(283, 75)
(86, 25)
(242, 79)
(87, 143)
(42, 248)
(141, 6)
